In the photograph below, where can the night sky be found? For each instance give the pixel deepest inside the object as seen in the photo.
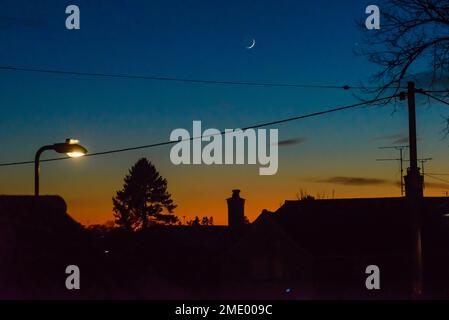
(310, 42)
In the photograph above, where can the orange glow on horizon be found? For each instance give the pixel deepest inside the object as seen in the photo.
(100, 210)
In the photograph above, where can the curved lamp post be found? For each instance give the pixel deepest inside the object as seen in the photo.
(70, 147)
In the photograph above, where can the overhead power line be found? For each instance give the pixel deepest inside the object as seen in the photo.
(435, 98)
(436, 178)
(434, 91)
(175, 79)
(266, 124)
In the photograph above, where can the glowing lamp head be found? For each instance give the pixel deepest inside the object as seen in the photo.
(75, 154)
(71, 148)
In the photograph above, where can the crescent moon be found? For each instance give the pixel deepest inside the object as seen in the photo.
(252, 44)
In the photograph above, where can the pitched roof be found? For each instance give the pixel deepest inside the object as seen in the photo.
(353, 226)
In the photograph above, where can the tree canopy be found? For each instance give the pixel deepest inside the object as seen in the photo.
(144, 199)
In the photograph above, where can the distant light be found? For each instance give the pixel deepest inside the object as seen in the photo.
(75, 154)
(288, 290)
(106, 251)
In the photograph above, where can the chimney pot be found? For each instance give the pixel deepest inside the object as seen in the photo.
(236, 211)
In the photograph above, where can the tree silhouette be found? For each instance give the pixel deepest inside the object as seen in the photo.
(410, 30)
(143, 199)
(303, 195)
(195, 222)
(205, 221)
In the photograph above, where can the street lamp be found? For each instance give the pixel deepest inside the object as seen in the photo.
(70, 147)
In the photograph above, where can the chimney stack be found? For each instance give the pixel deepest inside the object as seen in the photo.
(236, 212)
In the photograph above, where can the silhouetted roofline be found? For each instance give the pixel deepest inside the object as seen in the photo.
(358, 200)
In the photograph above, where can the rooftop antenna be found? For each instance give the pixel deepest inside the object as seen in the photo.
(401, 161)
(423, 161)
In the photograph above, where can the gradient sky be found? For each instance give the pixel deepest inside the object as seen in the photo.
(296, 42)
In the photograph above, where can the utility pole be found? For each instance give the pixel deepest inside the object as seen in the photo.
(414, 195)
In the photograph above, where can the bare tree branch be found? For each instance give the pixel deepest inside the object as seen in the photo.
(411, 31)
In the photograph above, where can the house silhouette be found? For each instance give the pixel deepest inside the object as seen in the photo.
(306, 249)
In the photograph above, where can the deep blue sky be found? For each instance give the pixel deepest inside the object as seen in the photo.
(296, 42)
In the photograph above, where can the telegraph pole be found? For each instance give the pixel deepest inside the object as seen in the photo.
(412, 129)
(414, 195)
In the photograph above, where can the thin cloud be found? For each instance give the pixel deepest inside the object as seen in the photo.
(354, 181)
(431, 185)
(389, 137)
(394, 139)
(362, 181)
(403, 140)
(436, 185)
(291, 142)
